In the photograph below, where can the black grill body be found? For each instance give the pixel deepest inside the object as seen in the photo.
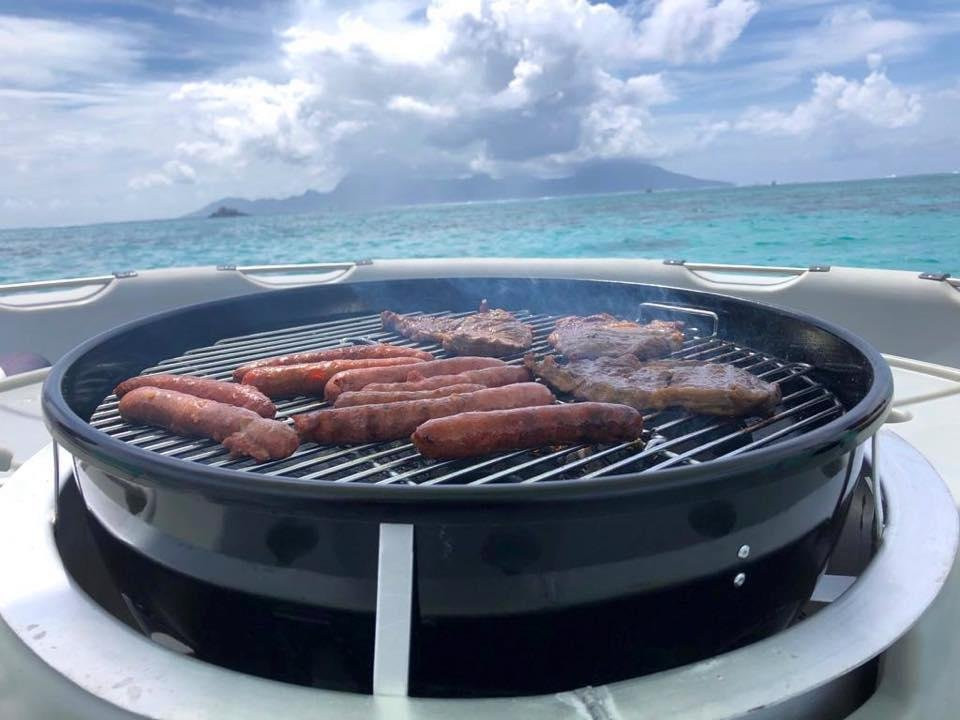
(512, 570)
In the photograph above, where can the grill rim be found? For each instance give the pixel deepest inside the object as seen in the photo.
(136, 464)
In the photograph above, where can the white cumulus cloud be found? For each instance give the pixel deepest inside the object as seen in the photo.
(95, 113)
(489, 83)
(174, 172)
(875, 101)
(845, 34)
(149, 180)
(413, 106)
(38, 53)
(693, 30)
(253, 115)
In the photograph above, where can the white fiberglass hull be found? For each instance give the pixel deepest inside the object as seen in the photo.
(914, 321)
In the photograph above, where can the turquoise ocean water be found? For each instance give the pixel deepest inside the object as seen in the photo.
(907, 223)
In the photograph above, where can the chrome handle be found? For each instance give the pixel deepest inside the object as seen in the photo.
(709, 315)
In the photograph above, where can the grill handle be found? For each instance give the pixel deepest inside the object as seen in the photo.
(711, 318)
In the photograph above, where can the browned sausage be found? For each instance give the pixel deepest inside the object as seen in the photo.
(309, 379)
(356, 379)
(376, 423)
(226, 392)
(488, 377)
(482, 433)
(350, 352)
(365, 397)
(241, 431)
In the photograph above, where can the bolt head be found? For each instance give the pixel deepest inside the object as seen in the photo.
(744, 552)
(739, 579)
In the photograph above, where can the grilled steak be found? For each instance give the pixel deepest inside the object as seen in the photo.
(708, 388)
(595, 336)
(493, 333)
(481, 433)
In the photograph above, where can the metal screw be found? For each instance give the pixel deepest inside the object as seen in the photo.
(744, 552)
(739, 579)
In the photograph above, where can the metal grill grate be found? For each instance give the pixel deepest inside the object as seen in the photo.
(671, 437)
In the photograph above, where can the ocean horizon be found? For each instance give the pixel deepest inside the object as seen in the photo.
(910, 223)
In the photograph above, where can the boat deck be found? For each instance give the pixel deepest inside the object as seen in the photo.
(926, 413)
(898, 312)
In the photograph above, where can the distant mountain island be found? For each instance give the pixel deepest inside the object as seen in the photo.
(226, 212)
(367, 191)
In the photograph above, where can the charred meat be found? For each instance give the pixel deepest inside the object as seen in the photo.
(241, 431)
(226, 392)
(492, 333)
(495, 332)
(393, 421)
(372, 397)
(482, 433)
(278, 381)
(601, 335)
(361, 377)
(348, 352)
(708, 388)
(421, 328)
(488, 377)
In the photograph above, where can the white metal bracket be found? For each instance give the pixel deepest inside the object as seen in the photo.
(391, 648)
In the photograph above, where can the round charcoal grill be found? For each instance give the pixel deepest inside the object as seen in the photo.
(528, 572)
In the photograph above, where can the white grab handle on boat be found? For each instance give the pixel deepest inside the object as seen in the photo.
(728, 274)
(43, 293)
(295, 273)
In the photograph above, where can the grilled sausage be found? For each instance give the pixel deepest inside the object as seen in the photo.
(309, 379)
(482, 433)
(350, 352)
(376, 423)
(230, 393)
(365, 397)
(356, 379)
(488, 377)
(241, 431)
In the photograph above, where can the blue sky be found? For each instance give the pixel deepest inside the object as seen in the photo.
(115, 111)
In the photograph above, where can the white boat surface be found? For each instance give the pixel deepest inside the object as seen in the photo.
(912, 318)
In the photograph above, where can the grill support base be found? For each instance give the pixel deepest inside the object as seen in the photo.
(793, 674)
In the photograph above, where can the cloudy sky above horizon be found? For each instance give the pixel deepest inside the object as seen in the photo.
(118, 111)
